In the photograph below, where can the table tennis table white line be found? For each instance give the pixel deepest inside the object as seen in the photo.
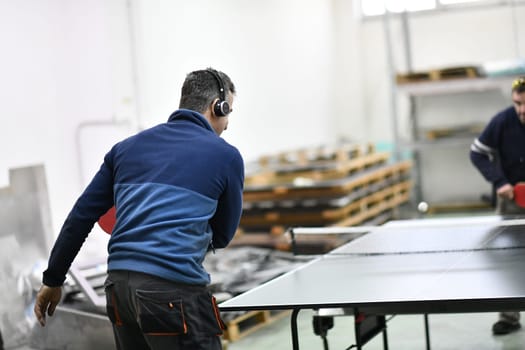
(440, 222)
(436, 222)
(480, 247)
(332, 230)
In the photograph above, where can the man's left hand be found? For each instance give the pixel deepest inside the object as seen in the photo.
(47, 300)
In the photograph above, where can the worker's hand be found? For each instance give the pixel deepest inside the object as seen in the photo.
(506, 191)
(47, 300)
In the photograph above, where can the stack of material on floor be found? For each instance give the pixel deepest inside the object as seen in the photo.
(235, 270)
(25, 236)
(343, 185)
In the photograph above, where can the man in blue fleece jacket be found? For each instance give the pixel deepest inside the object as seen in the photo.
(499, 154)
(177, 190)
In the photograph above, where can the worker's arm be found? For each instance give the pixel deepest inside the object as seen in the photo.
(226, 219)
(484, 153)
(95, 201)
(483, 158)
(90, 206)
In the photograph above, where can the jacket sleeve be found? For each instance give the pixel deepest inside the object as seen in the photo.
(488, 168)
(96, 199)
(484, 154)
(226, 219)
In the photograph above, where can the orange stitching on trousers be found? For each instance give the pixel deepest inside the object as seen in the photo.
(183, 319)
(217, 314)
(118, 320)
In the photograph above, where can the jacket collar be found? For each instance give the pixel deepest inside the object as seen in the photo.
(187, 114)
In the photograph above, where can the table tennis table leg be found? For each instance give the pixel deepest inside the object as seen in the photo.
(427, 332)
(295, 335)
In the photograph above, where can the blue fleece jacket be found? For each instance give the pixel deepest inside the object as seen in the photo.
(177, 188)
(499, 152)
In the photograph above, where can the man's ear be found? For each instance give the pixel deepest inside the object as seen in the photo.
(210, 115)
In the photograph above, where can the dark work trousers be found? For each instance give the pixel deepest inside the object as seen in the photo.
(151, 313)
(509, 207)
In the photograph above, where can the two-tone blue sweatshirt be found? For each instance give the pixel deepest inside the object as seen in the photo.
(499, 152)
(177, 188)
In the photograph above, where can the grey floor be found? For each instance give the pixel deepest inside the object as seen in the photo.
(447, 332)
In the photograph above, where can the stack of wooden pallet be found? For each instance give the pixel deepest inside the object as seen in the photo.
(251, 321)
(444, 73)
(463, 130)
(342, 185)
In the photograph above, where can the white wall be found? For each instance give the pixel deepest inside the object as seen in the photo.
(473, 37)
(62, 68)
(436, 40)
(78, 75)
(280, 54)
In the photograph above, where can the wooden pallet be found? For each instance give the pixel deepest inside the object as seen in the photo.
(250, 322)
(352, 214)
(331, 168)
(315, 155)
(460, 130)
(262, 240)
(327, 188)
(376, 205)
(460, 72)
(307, 176)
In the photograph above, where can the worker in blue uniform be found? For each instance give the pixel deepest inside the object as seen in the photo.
(499, 155)
(177, 190)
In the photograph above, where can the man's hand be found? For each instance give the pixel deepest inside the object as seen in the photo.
(506, 191)
(47, 299)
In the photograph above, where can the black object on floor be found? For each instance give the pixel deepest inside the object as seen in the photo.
(502, 327)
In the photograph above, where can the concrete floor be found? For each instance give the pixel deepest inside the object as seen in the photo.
(447, 332)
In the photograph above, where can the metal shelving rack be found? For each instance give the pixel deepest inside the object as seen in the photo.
(418, 145)
(424, 90)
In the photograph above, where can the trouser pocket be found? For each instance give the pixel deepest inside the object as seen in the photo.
(203, 315)
(160, 313)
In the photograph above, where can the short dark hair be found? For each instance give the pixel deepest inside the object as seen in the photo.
(200, 89)
(518, 85)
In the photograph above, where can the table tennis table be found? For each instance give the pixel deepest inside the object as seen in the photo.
(424, 266)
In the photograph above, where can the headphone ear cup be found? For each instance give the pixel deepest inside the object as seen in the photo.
(221, 108)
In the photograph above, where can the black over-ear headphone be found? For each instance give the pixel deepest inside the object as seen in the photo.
(221, 107)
